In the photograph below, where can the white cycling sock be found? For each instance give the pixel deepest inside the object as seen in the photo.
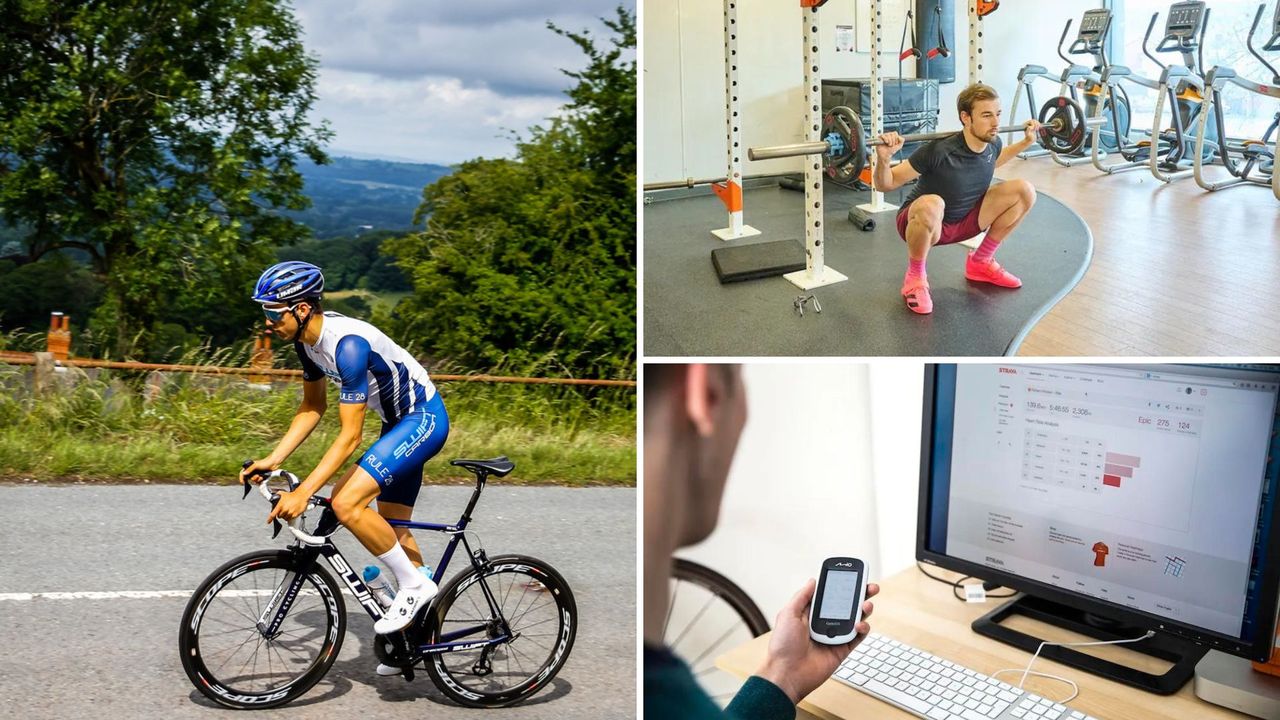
(407, 575)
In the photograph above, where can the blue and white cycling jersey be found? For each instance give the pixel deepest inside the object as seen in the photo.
(367, 366)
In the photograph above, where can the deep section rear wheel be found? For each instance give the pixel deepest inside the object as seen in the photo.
(226, 655)
(542, 619)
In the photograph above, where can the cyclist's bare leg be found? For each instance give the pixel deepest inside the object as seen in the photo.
(351, 498)
(343, 481)
(397, 511)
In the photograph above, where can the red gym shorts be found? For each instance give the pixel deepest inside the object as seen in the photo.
(954, 232)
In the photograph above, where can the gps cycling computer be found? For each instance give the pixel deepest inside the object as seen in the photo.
(836, 609)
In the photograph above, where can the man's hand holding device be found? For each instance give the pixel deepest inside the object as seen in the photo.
(795, 662)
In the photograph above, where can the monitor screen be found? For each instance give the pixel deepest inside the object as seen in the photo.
(1140, 492)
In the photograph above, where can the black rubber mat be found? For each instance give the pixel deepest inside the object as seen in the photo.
(687, 312)
(736, 263)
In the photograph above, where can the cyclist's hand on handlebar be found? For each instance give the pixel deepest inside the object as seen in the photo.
(795, 663)
(289, 505)
(256, 472)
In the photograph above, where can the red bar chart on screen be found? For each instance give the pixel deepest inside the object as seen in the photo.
(1119, 466)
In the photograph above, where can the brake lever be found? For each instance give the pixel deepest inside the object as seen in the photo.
(249, 485)
(275, 524)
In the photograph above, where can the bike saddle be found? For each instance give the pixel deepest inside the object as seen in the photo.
(499, 466)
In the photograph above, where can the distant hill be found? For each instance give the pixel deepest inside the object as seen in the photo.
(350, 195)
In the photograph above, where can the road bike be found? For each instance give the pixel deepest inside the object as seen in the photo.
(265, 627)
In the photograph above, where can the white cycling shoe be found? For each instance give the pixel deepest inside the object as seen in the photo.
(408, 603)
(388, 671)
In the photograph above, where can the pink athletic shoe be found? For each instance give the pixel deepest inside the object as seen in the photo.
(917, 294)
(990, 272)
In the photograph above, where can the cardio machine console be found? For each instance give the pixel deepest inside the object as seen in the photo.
(1094, 23)
(1184, 20)
(1093, 31)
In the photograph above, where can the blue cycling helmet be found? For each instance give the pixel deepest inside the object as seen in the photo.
(289, 281)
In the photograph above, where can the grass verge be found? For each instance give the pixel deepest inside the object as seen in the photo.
(104, 427)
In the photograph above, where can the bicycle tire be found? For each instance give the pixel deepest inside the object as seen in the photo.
(448, 669)
(726, 590)
(204, 607)
(721, 605)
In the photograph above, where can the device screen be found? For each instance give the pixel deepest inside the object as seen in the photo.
(838, 596)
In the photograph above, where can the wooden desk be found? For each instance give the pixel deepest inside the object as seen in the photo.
(913, 609)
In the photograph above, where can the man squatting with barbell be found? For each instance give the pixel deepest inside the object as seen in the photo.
(954, 199)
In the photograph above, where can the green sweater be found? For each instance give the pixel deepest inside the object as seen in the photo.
(671, 693)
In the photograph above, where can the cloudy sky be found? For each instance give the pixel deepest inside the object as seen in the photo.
(442, 81)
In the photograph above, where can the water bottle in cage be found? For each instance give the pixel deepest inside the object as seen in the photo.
(378, 585)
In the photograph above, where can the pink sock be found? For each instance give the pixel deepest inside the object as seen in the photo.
(915, 269)
(986, 251)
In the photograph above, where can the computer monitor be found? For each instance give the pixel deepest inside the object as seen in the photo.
(1116, 498)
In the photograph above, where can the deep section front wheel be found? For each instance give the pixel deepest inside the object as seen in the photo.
(226, 644)
(541, 623)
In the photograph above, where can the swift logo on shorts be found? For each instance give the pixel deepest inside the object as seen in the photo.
(420, 433)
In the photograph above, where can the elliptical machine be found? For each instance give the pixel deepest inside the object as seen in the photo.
(1134, 154)
(1091, 40)
(1273, 45)
(1184, 86)
(1253, 154)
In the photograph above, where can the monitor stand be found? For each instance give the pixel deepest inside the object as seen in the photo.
(1183, 654)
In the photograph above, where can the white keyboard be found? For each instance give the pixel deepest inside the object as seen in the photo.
(929, 687)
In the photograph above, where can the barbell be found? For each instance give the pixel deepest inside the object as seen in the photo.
(686, 183)
(844, 149)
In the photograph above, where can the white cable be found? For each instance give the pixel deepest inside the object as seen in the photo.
(1075, 688)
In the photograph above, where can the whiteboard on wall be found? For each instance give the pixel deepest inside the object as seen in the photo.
(894, 15)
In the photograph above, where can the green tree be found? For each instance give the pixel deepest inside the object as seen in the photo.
(33, 290)
(159, 137)
(531, 261)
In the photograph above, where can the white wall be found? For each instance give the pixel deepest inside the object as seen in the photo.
(801, 488)
(683, 68)
(897, 391)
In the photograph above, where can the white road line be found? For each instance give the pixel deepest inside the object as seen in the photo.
(138, 594)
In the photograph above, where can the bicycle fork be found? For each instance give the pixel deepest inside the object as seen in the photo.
(282, 599)
(275, 611)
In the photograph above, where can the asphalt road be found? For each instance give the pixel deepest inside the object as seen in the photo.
(117, 656)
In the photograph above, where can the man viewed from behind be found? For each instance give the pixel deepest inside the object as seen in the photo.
(693, 417)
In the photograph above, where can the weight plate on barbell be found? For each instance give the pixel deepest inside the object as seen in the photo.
(1062, 125)
(842, 129)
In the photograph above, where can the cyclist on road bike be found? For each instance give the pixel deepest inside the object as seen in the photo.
(371, 371)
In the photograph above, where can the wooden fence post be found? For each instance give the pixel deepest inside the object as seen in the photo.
(261, 359)
(59, 339)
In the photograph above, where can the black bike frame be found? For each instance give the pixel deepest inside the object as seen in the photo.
(307, 554)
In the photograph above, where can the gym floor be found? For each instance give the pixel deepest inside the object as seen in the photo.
(1176, 270)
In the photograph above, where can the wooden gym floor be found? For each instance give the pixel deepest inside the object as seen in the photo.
(1176, 270)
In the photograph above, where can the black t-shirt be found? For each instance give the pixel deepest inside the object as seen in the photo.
(949, 169)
